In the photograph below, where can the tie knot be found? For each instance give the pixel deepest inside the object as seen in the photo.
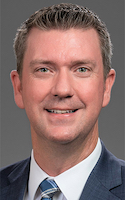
(48, 188)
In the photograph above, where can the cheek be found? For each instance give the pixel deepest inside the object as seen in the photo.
(34, 91)
(91, 92)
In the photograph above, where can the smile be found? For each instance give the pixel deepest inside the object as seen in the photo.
(61, 111)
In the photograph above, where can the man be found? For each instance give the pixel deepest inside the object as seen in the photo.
(63, 79)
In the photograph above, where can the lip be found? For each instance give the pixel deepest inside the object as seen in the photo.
(61, 114)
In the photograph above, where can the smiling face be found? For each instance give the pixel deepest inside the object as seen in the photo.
(62, 87)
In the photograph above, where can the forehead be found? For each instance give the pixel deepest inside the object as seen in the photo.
(63, 45)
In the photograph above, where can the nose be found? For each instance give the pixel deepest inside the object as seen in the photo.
(63, 85)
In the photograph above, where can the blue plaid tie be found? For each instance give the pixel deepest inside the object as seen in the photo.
(48, 189)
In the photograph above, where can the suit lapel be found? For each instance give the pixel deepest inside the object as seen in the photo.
(105, 176)
(18, 181)
(95, 190)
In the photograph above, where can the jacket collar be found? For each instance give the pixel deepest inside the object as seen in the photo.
(18, 179)
(105, 176)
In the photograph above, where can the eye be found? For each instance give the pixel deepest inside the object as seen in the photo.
(44, 69)
(82, 69)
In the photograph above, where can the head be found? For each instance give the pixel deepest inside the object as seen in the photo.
(64, 17)
(63, 54)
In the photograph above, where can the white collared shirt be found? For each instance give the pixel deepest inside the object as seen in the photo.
(70, 182)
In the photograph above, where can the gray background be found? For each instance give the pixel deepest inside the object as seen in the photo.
(15, 128)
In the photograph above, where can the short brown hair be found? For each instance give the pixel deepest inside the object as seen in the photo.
(64, 16)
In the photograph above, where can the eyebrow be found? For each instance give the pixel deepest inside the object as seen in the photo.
(73, 63)
(37, 62)
(84, 62)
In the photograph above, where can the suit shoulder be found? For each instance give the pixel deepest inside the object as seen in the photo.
(122, 163)
(110, 157)
(119, 161)
(6, 171)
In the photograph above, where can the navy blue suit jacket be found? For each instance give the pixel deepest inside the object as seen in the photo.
(106, 182)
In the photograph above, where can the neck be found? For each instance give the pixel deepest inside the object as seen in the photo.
(55, 158)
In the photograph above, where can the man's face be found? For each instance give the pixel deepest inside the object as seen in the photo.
(62, 87)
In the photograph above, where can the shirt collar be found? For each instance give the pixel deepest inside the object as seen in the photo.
(37, 175)
(76, 176)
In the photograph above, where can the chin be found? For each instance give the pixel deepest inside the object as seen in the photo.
(62, 137)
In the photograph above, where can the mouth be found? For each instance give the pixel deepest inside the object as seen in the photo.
(61, 111)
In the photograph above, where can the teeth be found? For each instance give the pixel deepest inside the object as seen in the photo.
(61, 111)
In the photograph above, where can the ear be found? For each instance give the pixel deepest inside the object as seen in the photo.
(108, 86)
(16, 82)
